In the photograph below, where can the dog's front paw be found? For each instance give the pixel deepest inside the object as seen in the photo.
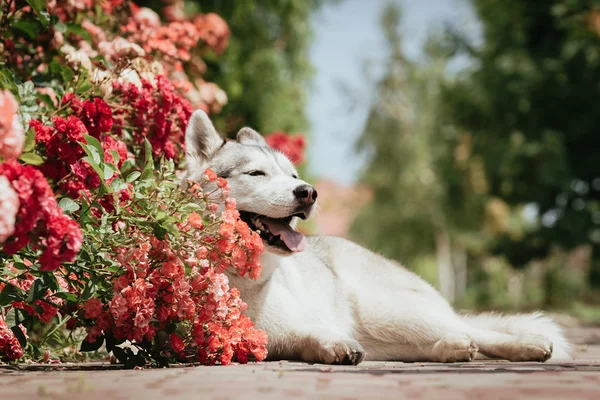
(348, 352)
(454, 348)
(344, 352)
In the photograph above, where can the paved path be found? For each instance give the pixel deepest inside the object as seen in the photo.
(577, 379)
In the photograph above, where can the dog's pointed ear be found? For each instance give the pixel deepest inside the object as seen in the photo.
(201, 140)
(250, 136)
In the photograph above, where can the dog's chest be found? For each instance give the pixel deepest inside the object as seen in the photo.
(294, 292)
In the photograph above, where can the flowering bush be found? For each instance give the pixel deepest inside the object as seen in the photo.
(97, 234)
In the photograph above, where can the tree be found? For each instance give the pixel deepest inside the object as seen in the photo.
(419, 207)
(529, 104)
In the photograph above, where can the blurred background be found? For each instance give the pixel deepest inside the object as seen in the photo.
(459, 137)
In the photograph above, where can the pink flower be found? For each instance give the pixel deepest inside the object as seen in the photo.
(10, 349)
(92, 308)
(11, 129)
(195, 220)
(210, 175)
(9, 206)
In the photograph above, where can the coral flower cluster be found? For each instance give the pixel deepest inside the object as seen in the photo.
(97, 233)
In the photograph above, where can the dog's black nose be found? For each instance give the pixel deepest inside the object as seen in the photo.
(306, 193)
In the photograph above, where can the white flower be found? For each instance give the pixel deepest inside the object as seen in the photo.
(76, 58)
(9, 206)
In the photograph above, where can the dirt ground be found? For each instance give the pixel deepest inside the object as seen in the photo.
(576, 379)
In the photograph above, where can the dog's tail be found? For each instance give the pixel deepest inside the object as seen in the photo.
(520, 324)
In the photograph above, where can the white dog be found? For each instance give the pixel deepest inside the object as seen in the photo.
(328, 300)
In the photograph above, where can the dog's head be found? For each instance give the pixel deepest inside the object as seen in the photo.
(269, 193)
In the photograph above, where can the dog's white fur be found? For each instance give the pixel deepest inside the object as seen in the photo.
(337, 302)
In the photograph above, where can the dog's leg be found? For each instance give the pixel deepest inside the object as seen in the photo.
(317, 347)
(526, 347)
(434, 333)
(454, 348)
(330, 351)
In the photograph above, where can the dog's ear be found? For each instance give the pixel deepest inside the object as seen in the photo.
(201, 140)
(250, 136)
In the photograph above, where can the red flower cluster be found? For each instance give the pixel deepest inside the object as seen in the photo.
(10, 348)
(159, 114)
(96, 115)
(292, 147)
(39, 218)
(45, 309)
(63, 152)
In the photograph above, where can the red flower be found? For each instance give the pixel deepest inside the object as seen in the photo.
(92, 308)
(97, 116)
(10, 348)
(39, 218)
(292, 147)
(64, 239)
(177, 343)
(159, 115)
(72, 100)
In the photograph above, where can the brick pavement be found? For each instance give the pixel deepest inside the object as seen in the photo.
(576, 379)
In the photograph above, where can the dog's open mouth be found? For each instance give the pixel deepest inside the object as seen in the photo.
(276, 232)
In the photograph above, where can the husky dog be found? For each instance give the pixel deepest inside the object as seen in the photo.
(328, 300)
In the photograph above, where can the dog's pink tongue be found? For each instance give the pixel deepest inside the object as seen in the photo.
(294, 240)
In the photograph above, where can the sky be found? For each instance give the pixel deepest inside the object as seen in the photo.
(347, 36)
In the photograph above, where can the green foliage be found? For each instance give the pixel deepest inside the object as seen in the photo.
(265, 71)
(410, 167)
(529, 104)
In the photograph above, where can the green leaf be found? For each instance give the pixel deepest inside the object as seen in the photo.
(89, 290)
(135, 360)
(127, 166)
(27, 27)
(148, 171)
(19, 335)
(12, 317)
(119, 353)
(8, 80)
(31, 158)
(50, 282)
(112, 342)
(117, 184)
(8, 295)
(95, 166)
(93, 346)
(159, 231)
(92, 141)
(37, 291)
(79, 31)
(132, 177)
(108, 171)
(60, 27)
(46, 99)
(20, 266)
(42, 14)
(70, 297)
(68, 205)
(115, 156)
(29, 144)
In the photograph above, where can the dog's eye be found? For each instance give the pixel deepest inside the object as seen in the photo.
(256, 173)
